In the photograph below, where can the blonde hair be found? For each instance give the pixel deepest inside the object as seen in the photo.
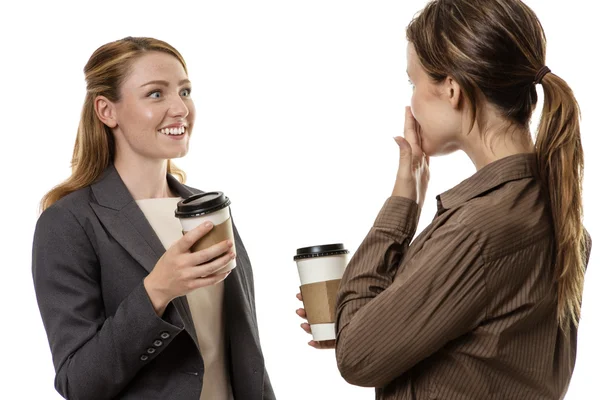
(494, 49)
(94, 146)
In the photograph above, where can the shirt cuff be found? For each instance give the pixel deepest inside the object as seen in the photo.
(399, 213)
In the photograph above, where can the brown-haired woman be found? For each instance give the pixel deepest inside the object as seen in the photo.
(485, 302)
(126, 318)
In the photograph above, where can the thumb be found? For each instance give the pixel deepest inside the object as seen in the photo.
(405, 156)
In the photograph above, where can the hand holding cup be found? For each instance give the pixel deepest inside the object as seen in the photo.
(180, 271)
(320, 269)
(323, 344)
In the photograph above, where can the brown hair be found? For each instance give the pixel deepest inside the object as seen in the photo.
(94, 147)
(494, 49)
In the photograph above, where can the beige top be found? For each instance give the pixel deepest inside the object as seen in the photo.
(206, 304)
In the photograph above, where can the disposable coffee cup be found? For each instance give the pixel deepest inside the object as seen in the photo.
(321, 269)
(200, 208)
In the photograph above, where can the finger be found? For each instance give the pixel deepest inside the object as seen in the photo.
(203, 256)
(410, 127)
(405, 165)
(306, 327)
(325, 344)
(299, 296)
(301, 312)
(208, 281)
(419, 132)
(212, 267)
(191, 237)
(418, 150)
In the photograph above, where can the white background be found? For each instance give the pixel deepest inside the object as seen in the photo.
(297, 105)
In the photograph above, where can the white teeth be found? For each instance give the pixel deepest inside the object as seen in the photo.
(173, 131)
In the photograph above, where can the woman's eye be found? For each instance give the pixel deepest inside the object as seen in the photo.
(186, 92)
(155, 95)
(411, 84)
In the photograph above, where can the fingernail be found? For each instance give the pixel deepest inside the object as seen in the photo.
(229, 243)
(208, 224)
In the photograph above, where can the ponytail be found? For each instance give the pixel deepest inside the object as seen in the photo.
(560, 163)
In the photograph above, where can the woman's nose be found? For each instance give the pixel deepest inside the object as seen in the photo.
(178, 108)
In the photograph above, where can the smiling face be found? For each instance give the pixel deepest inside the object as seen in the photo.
(154, 116)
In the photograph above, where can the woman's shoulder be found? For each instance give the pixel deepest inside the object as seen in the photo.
(76, 203)
(512, 216)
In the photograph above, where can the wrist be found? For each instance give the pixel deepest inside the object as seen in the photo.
(401, 191)
(157, 298)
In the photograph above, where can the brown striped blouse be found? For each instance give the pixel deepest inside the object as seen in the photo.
(468, 309)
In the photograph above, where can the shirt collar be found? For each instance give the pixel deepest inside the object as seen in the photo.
(517, 166)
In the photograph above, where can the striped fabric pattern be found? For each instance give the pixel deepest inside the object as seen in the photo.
(466, 310)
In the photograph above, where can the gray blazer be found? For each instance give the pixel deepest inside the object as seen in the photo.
(91, 252)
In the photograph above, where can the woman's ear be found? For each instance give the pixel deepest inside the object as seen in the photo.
(105, 110)
(453, 92)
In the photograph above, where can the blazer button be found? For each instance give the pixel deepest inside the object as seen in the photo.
(151, 350)
(157, 343)
(144, 357)
(165, 335)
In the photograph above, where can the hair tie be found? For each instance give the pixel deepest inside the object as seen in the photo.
(540, 75)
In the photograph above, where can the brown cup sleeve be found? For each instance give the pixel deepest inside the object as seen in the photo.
(217, 234)
(319, 301)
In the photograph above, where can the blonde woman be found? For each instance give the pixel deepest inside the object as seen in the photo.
(130, 312)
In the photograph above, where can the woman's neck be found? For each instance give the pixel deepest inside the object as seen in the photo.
(496, 144)
(145, 179)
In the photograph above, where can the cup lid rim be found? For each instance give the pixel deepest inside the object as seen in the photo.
(320, 251)
(181, 212)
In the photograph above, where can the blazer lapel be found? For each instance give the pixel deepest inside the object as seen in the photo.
(124, 220)
(121, 216)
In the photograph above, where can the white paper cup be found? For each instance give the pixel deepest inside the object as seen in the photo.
(320, 269)
(213, 207)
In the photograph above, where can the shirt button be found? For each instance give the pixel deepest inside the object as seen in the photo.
(144, 357)
(165, 335)
(151, 350)
(157, 343)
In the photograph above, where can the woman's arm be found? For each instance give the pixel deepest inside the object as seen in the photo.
(95, 356)
(386, 326)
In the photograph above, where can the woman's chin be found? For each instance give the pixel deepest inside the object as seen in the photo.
(177, 153)
(437, 149)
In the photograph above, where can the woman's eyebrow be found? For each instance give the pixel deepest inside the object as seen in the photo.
(165, 83)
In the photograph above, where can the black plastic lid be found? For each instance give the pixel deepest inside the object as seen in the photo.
(320, 251)
(201, 204)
